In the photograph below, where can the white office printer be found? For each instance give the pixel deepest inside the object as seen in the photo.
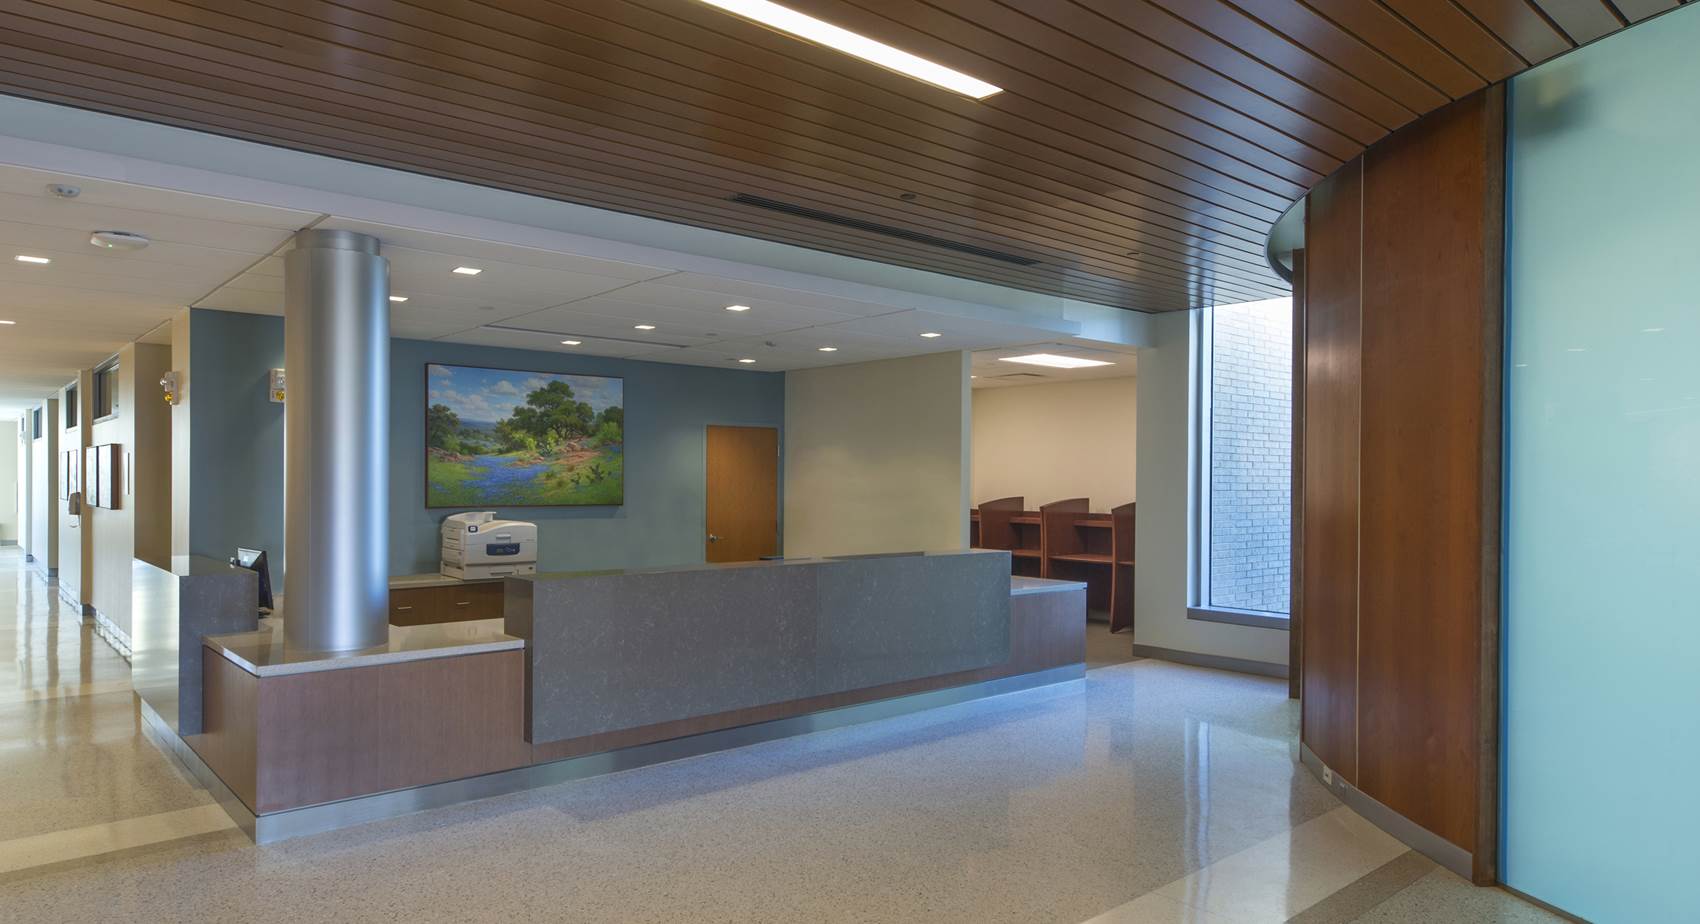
(477, 545)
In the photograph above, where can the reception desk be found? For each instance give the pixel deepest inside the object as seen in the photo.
(603, 670)
(619, 658)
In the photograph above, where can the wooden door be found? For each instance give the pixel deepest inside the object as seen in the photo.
(743, 493)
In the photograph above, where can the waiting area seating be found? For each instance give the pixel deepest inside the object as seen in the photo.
(1065, 540)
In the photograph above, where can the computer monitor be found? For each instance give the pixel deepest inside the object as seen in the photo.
(255, 560)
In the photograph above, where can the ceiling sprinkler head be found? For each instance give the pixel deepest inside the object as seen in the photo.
(64, 191)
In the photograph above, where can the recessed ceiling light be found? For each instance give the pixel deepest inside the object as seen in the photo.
(571, 342)
(1054, 361)
(643, 327)
(468, 270)
(737, 307)
(746, 360)
(8, 323)
(25, 258)
(814, 30)
(827, 349)
(931, 334)
(398, 298)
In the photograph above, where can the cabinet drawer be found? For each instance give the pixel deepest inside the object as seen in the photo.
(415, 606)
(471, 601)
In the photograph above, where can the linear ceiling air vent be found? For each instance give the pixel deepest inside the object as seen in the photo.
(802, 211)
(1021, 375)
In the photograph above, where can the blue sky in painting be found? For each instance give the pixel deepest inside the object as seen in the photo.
(488, 395)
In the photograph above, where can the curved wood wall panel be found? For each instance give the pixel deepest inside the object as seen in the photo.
(1433, 243)
(1333, 380)
(1401, 496)
(1137, 157)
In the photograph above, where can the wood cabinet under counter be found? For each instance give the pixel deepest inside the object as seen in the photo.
(424, 600)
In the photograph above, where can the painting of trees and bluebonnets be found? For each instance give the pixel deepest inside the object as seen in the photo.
(496, 437)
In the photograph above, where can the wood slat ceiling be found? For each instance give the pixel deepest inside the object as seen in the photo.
(1137, 156)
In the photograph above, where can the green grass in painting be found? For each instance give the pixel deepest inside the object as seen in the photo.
(517, 478)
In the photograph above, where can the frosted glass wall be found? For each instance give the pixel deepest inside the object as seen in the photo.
(1602, 616)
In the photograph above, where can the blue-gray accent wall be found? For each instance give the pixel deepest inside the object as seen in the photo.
(237, 449)
(235, 436)
(668, 411)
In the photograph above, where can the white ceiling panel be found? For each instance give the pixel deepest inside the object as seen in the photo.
(160, 226)
(589, 346)
(767, 358)
(719, 322)
(249, 301)
(475, 249)
(424, 327)
(425, 272)
(848, 343)
(589, 325)
(93, 269)
(957, 333)
(29, 183)
(688, 290)
(17, 237)
(30, 299)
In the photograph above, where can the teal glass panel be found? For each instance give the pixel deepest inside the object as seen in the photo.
(1601, 782)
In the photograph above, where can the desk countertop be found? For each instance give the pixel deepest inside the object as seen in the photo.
(263, 653)
(413, 581)
(1020, 585)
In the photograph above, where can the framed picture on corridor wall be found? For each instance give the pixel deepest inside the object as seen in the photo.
(509, 438)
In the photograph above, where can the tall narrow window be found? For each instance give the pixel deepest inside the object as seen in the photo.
(106, 391)
(1244, 483)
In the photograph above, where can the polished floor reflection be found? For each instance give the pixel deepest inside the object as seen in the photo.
(1148, 792)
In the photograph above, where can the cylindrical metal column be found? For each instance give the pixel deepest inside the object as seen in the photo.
(336, 352)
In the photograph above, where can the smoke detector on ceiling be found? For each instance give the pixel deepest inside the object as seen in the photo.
(64, 190)
(118, 240)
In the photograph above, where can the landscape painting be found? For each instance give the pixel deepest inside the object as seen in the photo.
(500, 438)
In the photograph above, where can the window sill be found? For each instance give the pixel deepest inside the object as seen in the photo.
(1250, 618)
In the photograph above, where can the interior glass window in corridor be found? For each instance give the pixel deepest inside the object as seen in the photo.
(1245, 478)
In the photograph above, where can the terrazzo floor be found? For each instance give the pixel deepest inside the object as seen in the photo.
(1148, 792)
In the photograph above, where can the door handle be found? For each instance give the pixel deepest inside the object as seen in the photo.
(713, 538)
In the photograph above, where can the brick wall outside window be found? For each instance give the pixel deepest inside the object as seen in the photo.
(1251, 397)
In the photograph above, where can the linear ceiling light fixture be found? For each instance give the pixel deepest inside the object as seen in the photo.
(737, 307)
(398, 299)
(26, 258)
(814, 30)
(468, 270)
(1054, 361)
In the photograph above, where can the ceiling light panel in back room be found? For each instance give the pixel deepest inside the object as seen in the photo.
(1138, 153)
